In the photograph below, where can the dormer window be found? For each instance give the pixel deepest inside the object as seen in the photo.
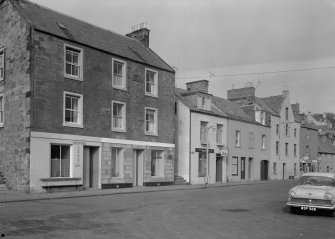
(203, 103)
(262, 118)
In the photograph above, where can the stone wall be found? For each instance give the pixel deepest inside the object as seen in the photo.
(15, 135)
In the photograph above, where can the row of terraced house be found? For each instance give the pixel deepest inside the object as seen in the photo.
(84, 107)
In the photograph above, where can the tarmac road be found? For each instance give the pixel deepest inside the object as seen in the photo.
(242, 211)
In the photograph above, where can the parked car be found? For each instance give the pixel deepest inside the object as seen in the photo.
(316, 191)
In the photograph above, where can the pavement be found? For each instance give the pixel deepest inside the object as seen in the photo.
(8, 196)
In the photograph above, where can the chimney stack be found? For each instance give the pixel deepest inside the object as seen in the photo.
(201, 85)
(141, 33)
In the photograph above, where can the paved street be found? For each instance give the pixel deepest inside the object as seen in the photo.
(242, 211)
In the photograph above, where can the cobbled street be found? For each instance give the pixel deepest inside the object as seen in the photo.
(243, 211)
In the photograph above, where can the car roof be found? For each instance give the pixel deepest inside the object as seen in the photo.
(330, 175)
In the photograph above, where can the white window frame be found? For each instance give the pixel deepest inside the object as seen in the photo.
(124, 117)
(2, 112)
(159, 173)
(237, 138)
(263, 147)
(203, 132)
(262, 118)
(155, 93)
(2, 55)
(78, 124)
(119, 162)
(80, 62)
(70, 159)
(219, 134)
(155, 133)
(123, 86)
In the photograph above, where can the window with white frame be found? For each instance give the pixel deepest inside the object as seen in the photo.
(295, 150)
(157, 163)
(277, 147)
(203, 132)
(151, 121)
(263, 142)
(60, 161)
(117, 163)
(277, 129)
(238, 138)
(219, 134)
(73, 62)
(287, 130)
(2, 64)
(118, 116)
(119, 74)
(151, 82)
(2, 115)
(262, 118)
(251, 140)
(202, 164)
(295, 133)
(234, 166)
(286, 149)
(73, 110)
(274, 168)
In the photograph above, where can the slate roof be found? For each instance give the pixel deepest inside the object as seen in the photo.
(265, 106)
(274, 102)
(326, 148)
(180, 93)
(49, 21)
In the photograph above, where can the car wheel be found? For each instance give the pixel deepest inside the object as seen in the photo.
(332, 213)
(294, 210)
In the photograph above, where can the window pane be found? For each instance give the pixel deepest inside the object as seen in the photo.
(75, 58)
(68, 56)
(68, 69)
(115, 164)
(75, 102)
(202, 164)
(75, 71)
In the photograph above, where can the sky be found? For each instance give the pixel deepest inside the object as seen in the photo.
(272, 45)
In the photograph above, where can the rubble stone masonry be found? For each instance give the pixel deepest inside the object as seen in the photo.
(15, 135)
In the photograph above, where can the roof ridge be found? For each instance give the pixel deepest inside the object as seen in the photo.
(75, 18)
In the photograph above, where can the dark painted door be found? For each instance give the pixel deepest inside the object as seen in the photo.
(243, 168)
(218, 169)
(264, 169)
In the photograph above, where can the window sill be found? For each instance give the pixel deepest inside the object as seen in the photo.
(237, 146)
(119, 87)
(157, 177)
(119, 130)
(151, 134)
(73, 125)
(70, 77)
(151, 95)
(59, 179)
(1, 125)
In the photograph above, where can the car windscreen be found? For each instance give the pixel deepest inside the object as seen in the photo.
(317, 181)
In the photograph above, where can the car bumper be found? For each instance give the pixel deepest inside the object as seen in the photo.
(323, 207)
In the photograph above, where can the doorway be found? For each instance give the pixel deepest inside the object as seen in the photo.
(250, 168)
(91, 167)
(218, 168)
(243, 168)
(138, 167)
(264, 169)
(284, 169)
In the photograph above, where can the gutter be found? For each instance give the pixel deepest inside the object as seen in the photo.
(189, 151)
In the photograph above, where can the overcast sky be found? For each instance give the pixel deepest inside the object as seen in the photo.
(231, 38)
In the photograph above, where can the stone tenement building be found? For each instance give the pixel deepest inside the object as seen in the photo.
(81, 106)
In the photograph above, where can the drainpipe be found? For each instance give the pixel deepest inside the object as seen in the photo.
(189, 151)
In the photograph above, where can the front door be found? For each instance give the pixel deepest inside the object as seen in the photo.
(264, 169)
(243, 168)
(218, 169)
(91, 167)
(138, 167)
(250, 169)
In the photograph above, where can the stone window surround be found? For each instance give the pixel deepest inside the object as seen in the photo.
(80, 109)
(155, 133)
(124, 116)
(81, 53)
(124, 74)
(155, 94)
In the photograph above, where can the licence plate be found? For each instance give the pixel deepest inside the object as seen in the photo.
(304, 208)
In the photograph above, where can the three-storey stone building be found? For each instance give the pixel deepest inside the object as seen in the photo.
(81, 106)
